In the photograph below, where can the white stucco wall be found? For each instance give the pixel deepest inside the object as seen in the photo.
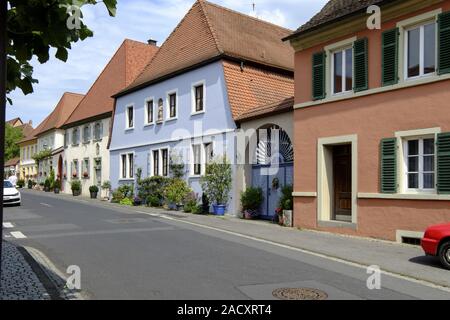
(94, 149)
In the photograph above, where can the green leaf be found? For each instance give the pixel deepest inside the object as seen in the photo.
(62, 54)
(111, 5)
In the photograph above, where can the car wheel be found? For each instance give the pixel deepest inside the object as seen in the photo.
(444, 254)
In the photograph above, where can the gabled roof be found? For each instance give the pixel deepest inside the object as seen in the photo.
(12, 122)
(209, 32)
(122, 69)
(59, 115)
(26, 129)
(12, 162)
(251, 88)
(334, 10)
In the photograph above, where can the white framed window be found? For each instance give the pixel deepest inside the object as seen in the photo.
(196, 159)
(198, 94)
(419, 158)
(86, 167)
(129, 117)
(420, 50)
(342, 70)
(75, 169)
(149, 111)
(86, 134)
(155, 154)
(98, 131)
(75, 136)
(127, 166)
(165, 162)
(172, 105)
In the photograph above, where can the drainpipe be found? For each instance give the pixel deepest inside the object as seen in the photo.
(3, 14)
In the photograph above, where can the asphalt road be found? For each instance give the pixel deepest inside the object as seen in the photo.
(124, 254)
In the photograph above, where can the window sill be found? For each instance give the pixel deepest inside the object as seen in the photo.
(149, 124)
(126, 179)
(160, 122)
(405, 196)
(129, 129)
(197, 113)
(171, 119)
(97, 140)
(195, 176)
(336, 224)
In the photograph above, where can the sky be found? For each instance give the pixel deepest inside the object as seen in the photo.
(138, 20)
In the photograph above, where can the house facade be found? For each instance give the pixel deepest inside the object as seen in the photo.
(86, 156)
(371, 126)
(50, 137)
(184, 104)
(28, 148)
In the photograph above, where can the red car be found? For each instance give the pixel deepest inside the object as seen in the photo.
(436, 242)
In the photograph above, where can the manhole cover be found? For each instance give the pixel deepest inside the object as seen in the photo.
(299, 294)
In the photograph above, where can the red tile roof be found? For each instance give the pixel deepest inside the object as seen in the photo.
(277, 107)
(122, 69)
(209, 32)
(12, 162)
(251, 88)
(59, 115)
(12, 122)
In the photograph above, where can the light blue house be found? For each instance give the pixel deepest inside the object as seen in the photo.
(216, 65)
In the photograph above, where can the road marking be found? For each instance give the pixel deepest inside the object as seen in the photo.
(305, 251)
(8, 225)
(18, 235)
(45, 204)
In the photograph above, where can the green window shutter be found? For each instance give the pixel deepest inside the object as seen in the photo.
(360, 65)
(318, 76)
(443, 163)
(388, 165)
(389, 57)
(444, 43)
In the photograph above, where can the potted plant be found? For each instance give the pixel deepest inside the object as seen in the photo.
(190, 202)
(137, 201)
(176, 191)
(85, 175)
(57, 186)
(76, 188)
(30, 184)
(286, 204)
(217, 183)
(93, 190)
(47, 185)
(251, 200)
(107, 187)
(74, 175)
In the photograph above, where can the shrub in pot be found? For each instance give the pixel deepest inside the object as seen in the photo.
(216, 183)
(190, 202)
(286, 205)
(251, 200)
(137, 201)
(47, 185)
(30, 184)
(93, 190)
(56, 186)
(176, 191)
(107, 187)
(76, 187)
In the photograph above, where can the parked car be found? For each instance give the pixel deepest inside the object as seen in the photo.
(10, 194)
(436, 242)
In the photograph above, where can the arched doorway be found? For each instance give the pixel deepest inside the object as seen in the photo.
(60, 172)
(272, 165)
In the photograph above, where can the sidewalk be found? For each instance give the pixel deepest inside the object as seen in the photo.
(401, 259)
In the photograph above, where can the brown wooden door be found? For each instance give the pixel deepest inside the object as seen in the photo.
(342, 172)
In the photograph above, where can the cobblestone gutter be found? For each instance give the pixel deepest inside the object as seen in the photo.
(19, 281)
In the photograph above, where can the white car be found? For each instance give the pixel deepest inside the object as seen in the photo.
(10, 194)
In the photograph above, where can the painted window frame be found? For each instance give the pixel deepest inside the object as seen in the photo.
(170, 93)
(203, 157)
(86, 166)
(421, 27)
(127, 168)
(194, 97)
(75, 165)
(127, 115)
(155, 168)
(343, 50)
(86, 141)
(160, 167)
(146, 109)
(421, 172)
(75, 142)
(100, 137)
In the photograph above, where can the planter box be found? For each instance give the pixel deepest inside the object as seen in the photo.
(93, 195)
(219, 209)
(287, 218)
(76, 193)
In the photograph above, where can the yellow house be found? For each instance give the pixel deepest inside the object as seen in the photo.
(28, 168)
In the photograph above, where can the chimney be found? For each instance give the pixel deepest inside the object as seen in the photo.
(152, 42)
(30, 122)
